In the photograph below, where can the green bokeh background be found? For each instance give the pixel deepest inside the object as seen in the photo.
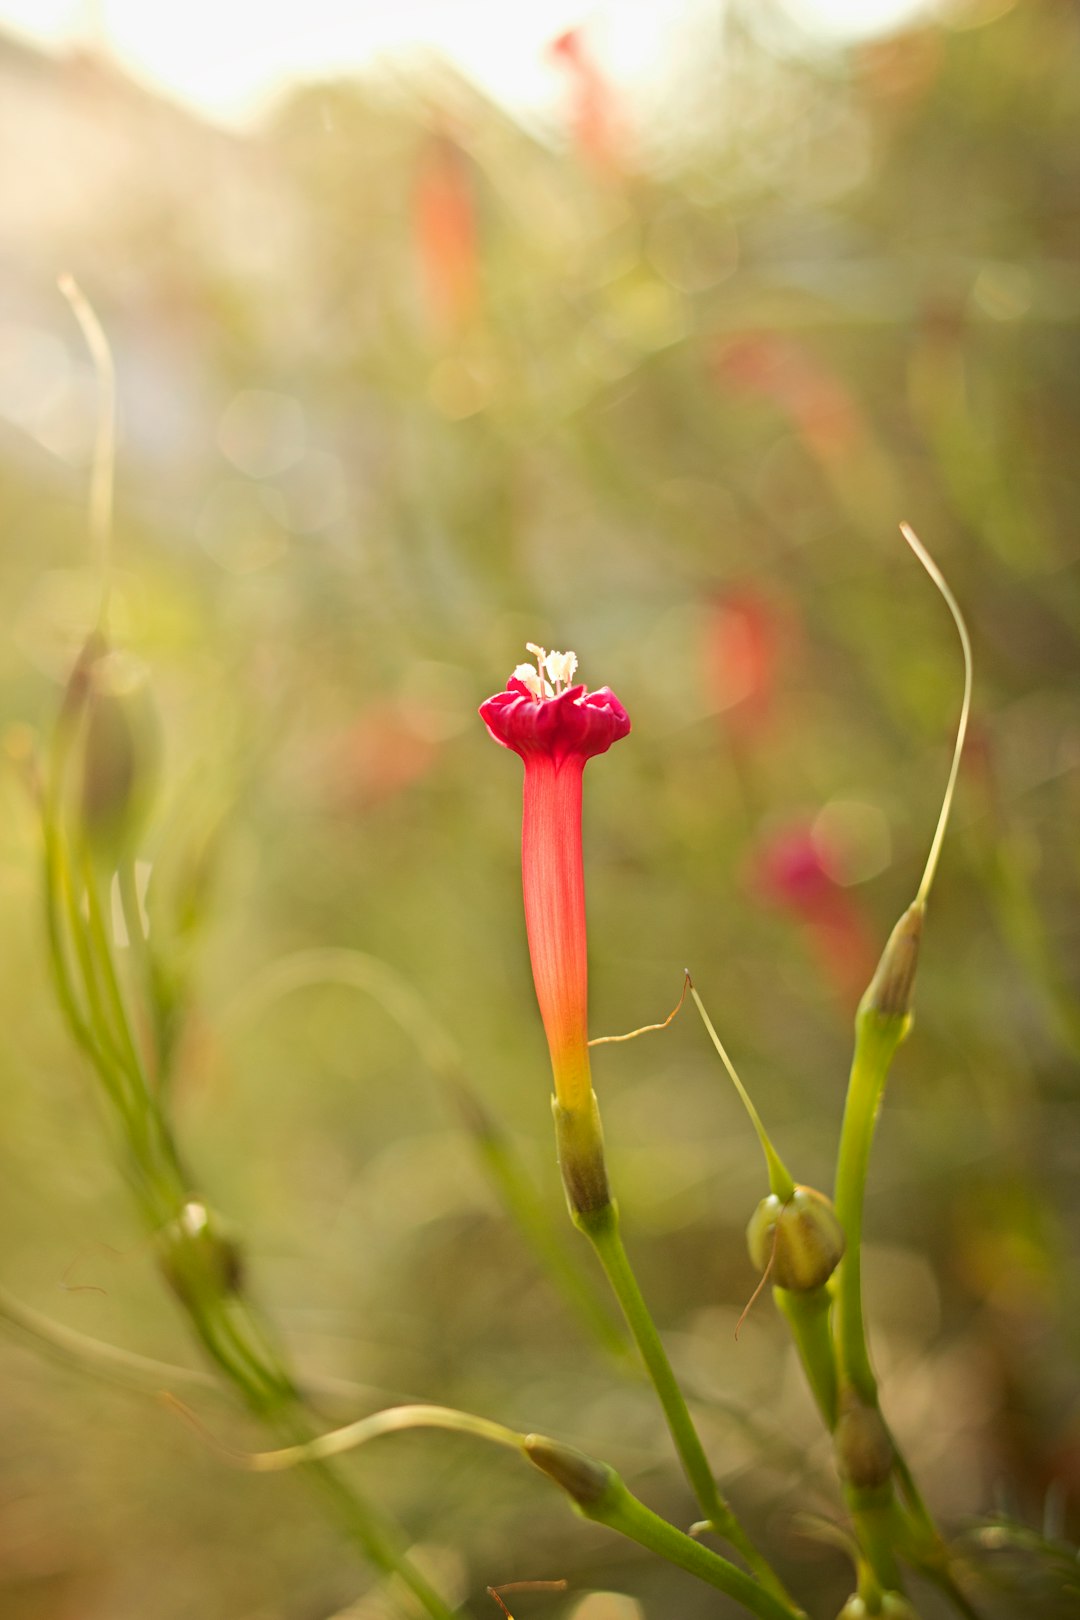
(712, 366)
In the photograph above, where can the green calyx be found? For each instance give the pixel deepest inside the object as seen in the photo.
(579, 1139)
(798, 1240)
(864, 1451)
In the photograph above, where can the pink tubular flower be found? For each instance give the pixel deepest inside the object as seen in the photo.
(556, 727)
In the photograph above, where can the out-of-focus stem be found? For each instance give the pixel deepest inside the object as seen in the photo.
(509, 1176)
(232, 1339)
(511, 1182)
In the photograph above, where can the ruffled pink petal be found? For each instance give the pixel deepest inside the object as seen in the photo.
(576, 724)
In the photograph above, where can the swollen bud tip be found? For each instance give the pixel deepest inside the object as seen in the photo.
(864, 1452)
(579, 1476)
(800, 1241)
(893, 1606)
(889, 992)
(119, 748)
(199, 1261)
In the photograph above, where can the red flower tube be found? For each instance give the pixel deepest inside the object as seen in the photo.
(556, 727)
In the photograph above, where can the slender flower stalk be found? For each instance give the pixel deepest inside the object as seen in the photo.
(795, 1238)
(868, 1456)
(556, 728)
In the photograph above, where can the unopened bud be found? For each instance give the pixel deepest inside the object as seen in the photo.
(198, 1259)
(119, 755)
(78, 683)
(864, 1452)
(802, 1238)
(889, 991)
(893, 1606)
(580, 1477)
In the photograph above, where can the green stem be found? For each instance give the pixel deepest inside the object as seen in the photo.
(807, 1315)
(380, 1542)
(156, 1147)
(56, 887)
(620, 1510)
(142, 961)
(594, 1489)
(602, 1228)
(100, 934)
(272, 1397)
(941, 1576)
(873, 1510)
(91, 1030)
(239, 1347)
(876, 1039)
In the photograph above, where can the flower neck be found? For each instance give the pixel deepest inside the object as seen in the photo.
(554, 885)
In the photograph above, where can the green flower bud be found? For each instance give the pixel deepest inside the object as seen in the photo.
(119, 755)
(864, 1452)
(802, 1237)
(890, 990)
(198, 1260)
(580, 1477)
(894, 1606)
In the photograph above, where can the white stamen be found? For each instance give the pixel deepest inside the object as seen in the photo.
(528, 676)
(560, 667)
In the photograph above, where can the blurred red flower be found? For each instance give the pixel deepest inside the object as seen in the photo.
(444, 225)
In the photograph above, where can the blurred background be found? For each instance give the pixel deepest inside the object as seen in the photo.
(636, 332)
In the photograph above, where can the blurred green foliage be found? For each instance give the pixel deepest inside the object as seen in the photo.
(401, 388)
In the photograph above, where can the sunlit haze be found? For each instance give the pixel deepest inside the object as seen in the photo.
(228, 60)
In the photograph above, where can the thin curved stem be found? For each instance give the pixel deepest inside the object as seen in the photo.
(394, 1420)
(596, 1490)
(96, 1356)
(781, 1182)
(965, 708)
